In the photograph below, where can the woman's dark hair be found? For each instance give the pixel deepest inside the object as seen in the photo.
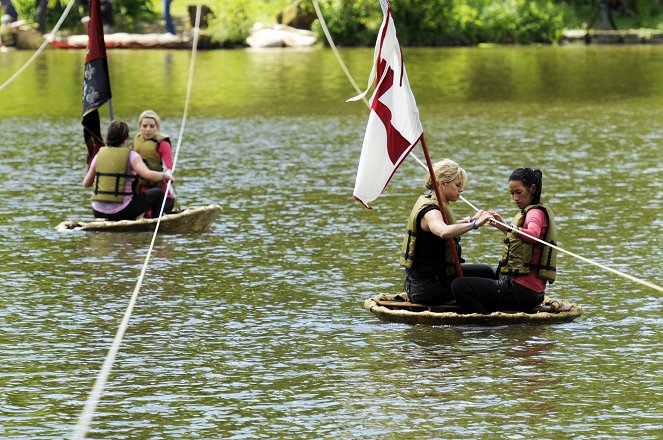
(118, 132)
(529, 177)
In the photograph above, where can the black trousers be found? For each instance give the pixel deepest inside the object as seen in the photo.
(426, 288)
(482, 295)
(140, 204)
(167, 209)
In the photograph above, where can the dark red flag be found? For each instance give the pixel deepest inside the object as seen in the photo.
(96, 83)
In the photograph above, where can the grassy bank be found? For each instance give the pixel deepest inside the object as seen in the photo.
(355, 22)
(259, 11)
(441, 22)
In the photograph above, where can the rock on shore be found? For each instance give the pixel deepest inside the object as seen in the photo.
(279, 35)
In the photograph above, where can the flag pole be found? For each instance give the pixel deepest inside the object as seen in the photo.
(110, 109)
(436, 188)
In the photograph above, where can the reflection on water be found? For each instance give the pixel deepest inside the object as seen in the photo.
(255, 328)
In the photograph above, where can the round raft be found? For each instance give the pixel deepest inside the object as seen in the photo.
(188, 220)
(397, 308)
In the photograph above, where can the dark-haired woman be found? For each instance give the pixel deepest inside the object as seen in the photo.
(526, 265)
(112, 173)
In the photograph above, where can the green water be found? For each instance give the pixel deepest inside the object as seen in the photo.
(256, 328)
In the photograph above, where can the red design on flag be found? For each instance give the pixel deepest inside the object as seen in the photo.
(393, 127)
(396, 143)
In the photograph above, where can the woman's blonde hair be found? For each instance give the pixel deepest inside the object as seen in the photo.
(445, 171)
(151, 114)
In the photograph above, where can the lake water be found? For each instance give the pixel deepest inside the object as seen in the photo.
(256, 328)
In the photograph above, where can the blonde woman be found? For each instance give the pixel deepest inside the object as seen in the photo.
(157, 153)
(426, 255)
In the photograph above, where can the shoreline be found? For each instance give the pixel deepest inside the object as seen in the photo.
(30, 39)
(611, 37)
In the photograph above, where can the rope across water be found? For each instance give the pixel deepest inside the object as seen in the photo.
(587, 260)
(41, 48)
(86, 415)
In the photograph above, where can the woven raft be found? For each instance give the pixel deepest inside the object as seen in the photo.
(189, 220)
(397, 308)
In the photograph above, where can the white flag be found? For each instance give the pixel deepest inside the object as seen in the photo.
(393, 125)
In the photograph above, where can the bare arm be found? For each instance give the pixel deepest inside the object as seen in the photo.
(143, 171)
(138, 165)
(476, 216)
(434, 223)
(89, 177)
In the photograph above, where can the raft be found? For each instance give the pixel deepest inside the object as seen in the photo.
(397, 308)
(124, 41)
(188, 220)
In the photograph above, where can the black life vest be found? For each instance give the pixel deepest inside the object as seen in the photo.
(424, 251)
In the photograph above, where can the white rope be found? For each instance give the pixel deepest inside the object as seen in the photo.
(42, 47)
(587, 260)
(85, 418)
(323, 24)
(189, 85)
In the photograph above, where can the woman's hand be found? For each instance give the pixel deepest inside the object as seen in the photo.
(168, 175)
(498, 218)
(481, 217)
(476, 216)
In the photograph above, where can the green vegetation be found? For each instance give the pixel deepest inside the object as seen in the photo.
(129, 15)
(355, 22)
(448, 22)
(467, 22)
(627, 14)
(233, 19)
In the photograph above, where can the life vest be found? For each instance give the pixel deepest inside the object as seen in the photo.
(147, 148)
(423, 250)
(517, 254)
(111, 174)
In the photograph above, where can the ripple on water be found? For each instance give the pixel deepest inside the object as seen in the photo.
(256, 328)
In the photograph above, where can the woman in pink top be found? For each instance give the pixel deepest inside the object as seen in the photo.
(113, 171)
(526, 264)
(156, 151)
